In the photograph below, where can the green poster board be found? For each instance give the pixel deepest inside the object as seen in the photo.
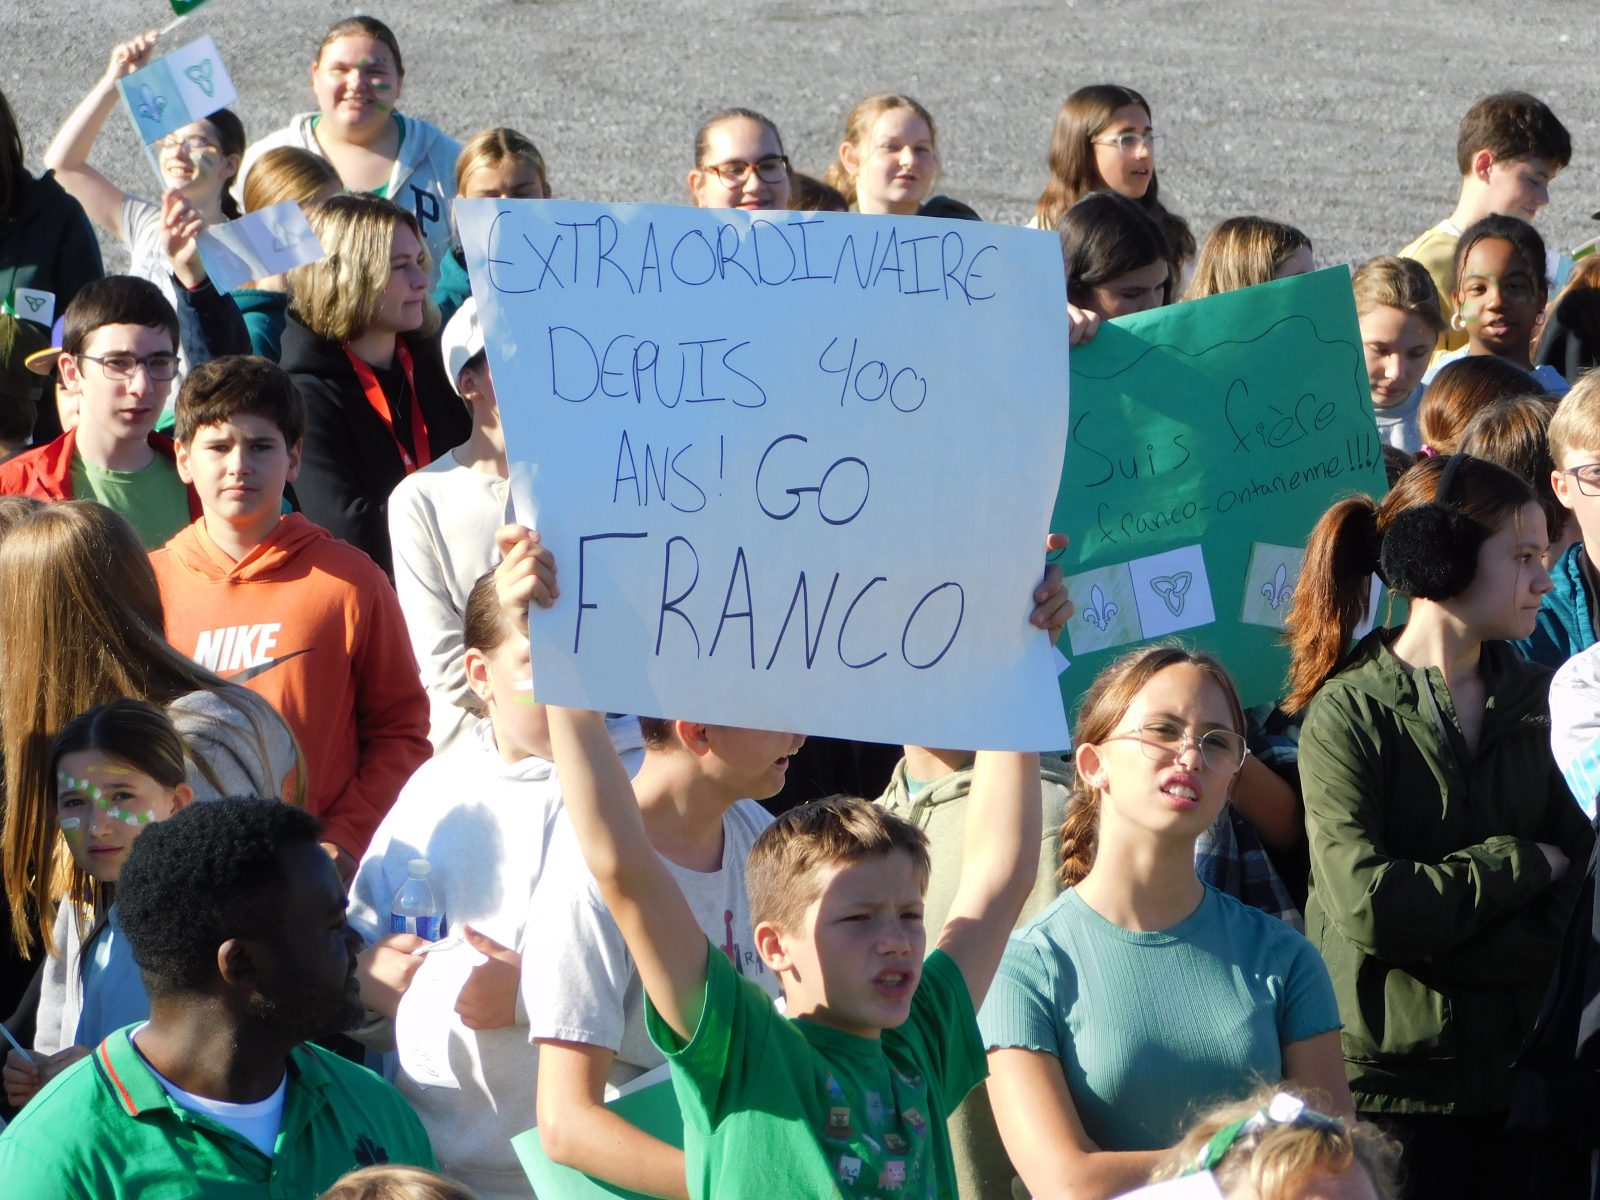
(1206, 438)
(653, 1109)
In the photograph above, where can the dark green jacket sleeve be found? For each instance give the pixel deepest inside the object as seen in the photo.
(1524, 944)
(1395, 908)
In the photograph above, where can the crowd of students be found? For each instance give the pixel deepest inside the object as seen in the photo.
(260, 591)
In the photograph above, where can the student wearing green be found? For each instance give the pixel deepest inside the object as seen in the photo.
(847, 1093)
(237, 919)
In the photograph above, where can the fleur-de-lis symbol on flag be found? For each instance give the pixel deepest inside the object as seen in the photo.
(151, 104)
(1101, 612)
(1278, 590)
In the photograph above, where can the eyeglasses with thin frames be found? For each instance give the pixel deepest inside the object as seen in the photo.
(161, 368)
(1129, 143)
(772, 169)
(1587, 477)
(192, 146)
(1161, 740)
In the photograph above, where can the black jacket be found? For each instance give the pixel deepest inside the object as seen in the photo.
(46, 242)
(350, 463)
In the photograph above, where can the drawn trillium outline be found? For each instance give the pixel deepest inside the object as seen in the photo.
(1172, 589)
(200, 75)
(1278, 590)
(1101, 612)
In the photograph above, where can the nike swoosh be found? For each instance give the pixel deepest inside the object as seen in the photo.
(261, 668)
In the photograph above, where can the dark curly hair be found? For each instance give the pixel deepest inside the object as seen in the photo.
(206, 874)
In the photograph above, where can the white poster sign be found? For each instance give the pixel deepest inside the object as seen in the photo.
(796, 468)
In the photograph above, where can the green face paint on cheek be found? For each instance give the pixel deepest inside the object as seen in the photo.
(66, 783)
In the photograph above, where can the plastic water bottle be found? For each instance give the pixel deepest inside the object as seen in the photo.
(415, 910)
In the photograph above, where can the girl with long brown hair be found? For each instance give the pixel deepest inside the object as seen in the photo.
(1090, 1087)
(1103, 141)
(81, 624)
(1441, 830)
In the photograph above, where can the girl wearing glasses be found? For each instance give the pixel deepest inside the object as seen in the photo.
(1103, 141)
(1141, 991)
(739, 163)
(197, 163)
(1441, 830)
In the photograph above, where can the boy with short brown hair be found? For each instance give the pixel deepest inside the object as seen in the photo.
(1510, 146)
(275, 603)
(847, 1092)
(119, 353)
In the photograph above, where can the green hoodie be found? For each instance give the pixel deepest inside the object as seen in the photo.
(1431, 904)
(940, 810)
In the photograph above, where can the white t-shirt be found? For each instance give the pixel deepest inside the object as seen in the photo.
(257, 1122)
(579, 982)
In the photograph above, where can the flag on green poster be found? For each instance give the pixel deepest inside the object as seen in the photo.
(1206, 440)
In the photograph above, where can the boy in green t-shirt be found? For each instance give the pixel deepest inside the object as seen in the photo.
(119, 357)
(847, 1093)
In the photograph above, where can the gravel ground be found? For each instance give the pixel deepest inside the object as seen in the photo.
(1339, 116)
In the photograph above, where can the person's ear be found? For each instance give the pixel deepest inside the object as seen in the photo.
(182, 797)
(545, 192)
(850, 158)
(696, 180)
(773, 947)
(237, 964)
(477, 665)
(294, 462)
(1091, 766)
(181, 457)
(71, 374)
(1482, 163)
(1560, 481)
(694, 736)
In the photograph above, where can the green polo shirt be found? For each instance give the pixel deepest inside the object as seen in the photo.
(105, 1129)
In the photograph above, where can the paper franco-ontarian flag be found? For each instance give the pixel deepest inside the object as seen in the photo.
(178, 89)
(266, 242)
(30, 304)
(183, 8)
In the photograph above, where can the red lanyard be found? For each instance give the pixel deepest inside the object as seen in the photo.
(380, 405)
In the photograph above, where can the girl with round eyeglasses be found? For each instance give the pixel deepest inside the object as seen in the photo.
(1104, 140)
(197, 162)
(739, 163)
(1090, 1087)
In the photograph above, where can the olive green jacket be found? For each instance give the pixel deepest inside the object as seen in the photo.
(1431, 904)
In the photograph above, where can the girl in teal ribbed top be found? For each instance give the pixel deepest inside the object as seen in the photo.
(1141, 992)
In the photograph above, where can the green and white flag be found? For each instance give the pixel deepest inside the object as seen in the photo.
(183, 8)
(30, 304)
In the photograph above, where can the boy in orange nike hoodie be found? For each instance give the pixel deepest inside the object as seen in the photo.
(277, 604)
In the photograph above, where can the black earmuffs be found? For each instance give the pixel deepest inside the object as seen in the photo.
(1430, 551)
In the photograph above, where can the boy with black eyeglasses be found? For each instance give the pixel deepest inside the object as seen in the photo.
(119, 355)
(1569, 615)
